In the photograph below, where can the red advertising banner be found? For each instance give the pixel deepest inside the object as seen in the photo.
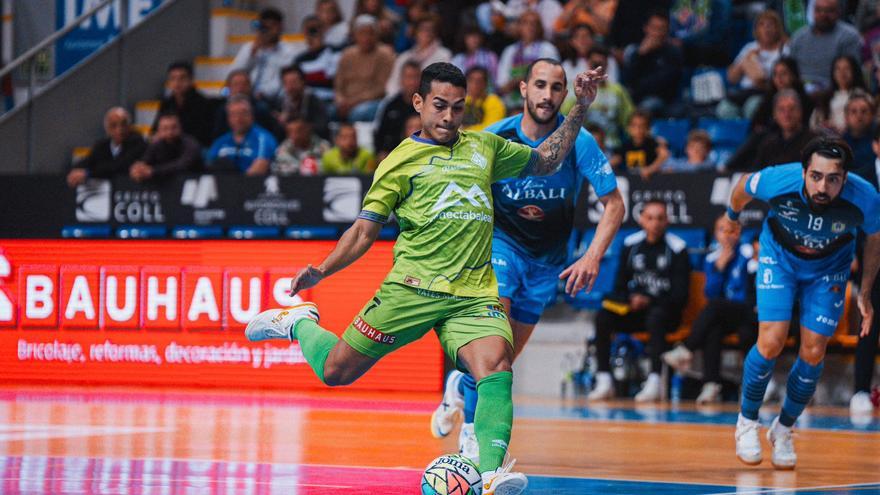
(173, 312)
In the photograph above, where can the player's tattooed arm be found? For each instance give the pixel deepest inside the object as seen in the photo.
(547, 158)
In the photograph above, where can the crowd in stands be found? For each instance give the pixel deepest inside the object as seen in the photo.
(787, 70)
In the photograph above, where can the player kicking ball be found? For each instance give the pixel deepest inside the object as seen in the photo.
(807, 244)
(533, 222)
(438, 184)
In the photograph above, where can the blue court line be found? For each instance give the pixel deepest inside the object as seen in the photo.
(658, 415)
(539, 485)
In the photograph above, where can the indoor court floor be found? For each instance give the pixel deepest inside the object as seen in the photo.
(151, 441)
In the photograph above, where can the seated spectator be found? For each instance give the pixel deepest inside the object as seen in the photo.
(730, 290)
(347, 157)
(612, 107)
(196, 112)
(389, 20)
(640, 152)
(481, 108)
(781, 144)
(815, 47)
(474, 54)
(576, 56)
(333, 26)
(649, 294)
(701, 28)
(411, 125)
(785, 75)
(113, 155)
(318, 63)
(264, 57)
(425, 52)
(696, 151)
(238, 83)
(652, 68)
(299, 101)
(300, 153)
(753, 67)
(363, 72)
(515, 59)
(247, 148)
(861, 113)
(170, 152)
(627, 25)
(547, 11)
(846, 76)
(395, 109)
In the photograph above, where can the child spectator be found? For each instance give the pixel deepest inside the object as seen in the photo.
(641, 152)
(481, 108)
(474, 54)
(696, 150)
(301, 152)
(347, 157)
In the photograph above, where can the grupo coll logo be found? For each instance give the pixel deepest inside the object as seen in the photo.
(93, 201)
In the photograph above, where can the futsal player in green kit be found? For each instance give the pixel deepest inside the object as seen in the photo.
(438, 184)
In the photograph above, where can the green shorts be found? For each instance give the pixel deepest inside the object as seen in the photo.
(400, 314)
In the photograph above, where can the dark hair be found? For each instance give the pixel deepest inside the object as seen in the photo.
(443, 72)
(600, 50)
(640, 114)
(593, 128)
(875, 136)
(566, 51)
(463, 33)
(167, 114)
(828, 146)
(271, 14)
(478, 68)
(858, 78)
(412, 64)
(291, 69)
(655, 201)
(659, 13)
(545, 60)
(181, 65)
(311, 25)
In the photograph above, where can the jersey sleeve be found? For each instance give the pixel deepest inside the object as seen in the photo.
(384, 194)
(510, 158)
(773, 181)
(872, 215)
(593, 165)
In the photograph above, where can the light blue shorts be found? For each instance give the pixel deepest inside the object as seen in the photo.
(529, 284)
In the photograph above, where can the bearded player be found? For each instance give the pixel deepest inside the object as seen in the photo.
(438, 184)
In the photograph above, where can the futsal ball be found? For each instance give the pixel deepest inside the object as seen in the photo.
(451, 474)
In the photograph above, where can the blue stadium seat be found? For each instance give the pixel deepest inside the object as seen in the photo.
(725, 133)
(674, 131)
(607, 269)
(196, 232)
(80, 231)
(141, 231)
(389, 233)
(312, 232)
(695, 238)
(253, 232)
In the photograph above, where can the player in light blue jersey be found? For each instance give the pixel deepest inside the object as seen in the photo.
(806, 247)
(533, 223)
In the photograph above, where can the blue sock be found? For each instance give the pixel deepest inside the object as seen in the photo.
(467, 387)
(757, 371)
(801, 385)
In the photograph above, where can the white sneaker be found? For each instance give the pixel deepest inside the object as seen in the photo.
(650, 391)
(748, 441)
(467, 443)
(861, 404)
(503, 482)
(446, 415)
(779, 437)
(279, 323)
(710, 394)
(679, 359)
(604, 387)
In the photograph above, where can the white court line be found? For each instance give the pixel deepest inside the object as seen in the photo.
(8, 431)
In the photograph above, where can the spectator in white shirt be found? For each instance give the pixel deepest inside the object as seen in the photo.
(264, 57)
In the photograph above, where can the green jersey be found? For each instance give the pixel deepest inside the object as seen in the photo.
(442, 198)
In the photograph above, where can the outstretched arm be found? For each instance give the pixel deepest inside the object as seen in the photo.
(869, 276)
(583, 272)
(351, 246)
(547, 158)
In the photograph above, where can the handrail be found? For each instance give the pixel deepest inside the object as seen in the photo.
(52, 38)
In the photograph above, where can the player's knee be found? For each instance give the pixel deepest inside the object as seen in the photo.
(492, 365)
(812, 353)
(771, 346)
(335, 376)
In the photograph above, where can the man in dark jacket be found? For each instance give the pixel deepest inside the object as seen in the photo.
(652, 68)
(171, 152)
(196, 112)
(112, 155)
(649, 294)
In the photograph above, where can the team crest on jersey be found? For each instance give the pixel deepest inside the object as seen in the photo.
(662, 262)
(838, 227)
(639, 262)
(531, 212)
(479, 160)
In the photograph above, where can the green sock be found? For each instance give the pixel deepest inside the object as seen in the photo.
(315, 343)
(493, 418)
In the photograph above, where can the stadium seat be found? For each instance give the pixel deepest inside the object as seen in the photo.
(141, 231)
(253, 232)
(85, 231)
(607, 268)
(312, 232)
(695, 238)
(674, 131)
(725, 133)
(196, 232)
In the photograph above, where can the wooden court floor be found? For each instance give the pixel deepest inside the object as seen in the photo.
(146, 441)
